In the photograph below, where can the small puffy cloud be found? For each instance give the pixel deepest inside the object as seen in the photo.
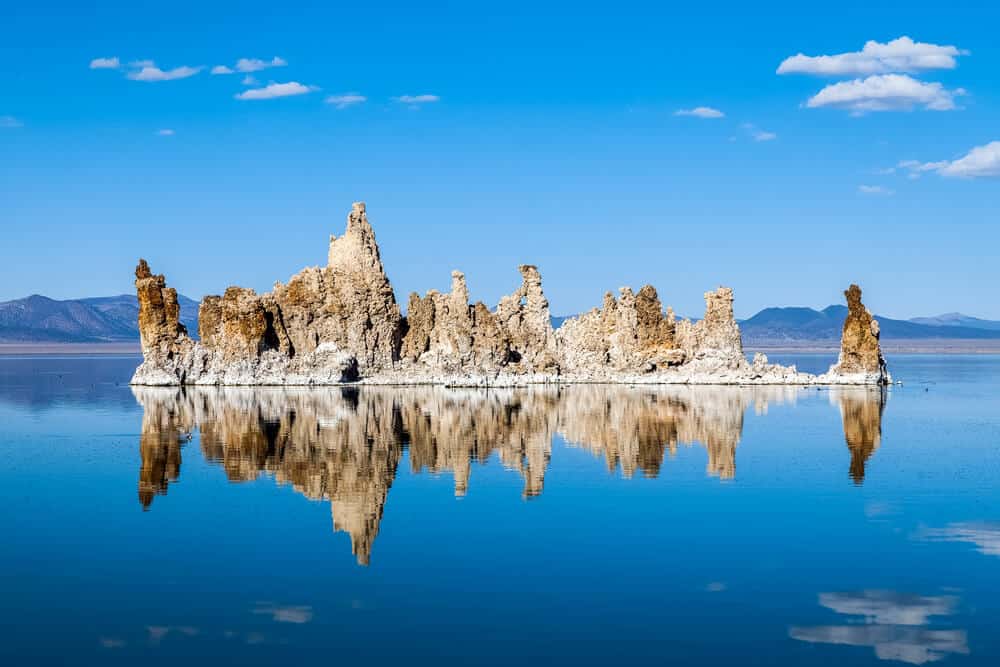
(165, 132)
(417, 99)
(9, 122)
(346, 100)
(273, 90)
(875, 190)
(105, 63)
(758, 134)
(898, 55)
(980, 162)
(146, 70)
(221, 69)
(914, 168)
(256, 64)
(885, 92)
(250, 80)
(700, 112)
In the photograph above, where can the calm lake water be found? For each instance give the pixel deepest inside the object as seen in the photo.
(587, 526)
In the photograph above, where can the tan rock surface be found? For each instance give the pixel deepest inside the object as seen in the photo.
(859, 346)
(341, 323)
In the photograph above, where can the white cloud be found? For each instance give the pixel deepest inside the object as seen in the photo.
(221, 69)
(249, 80)
(9, 122)
(146, 70)
(417, 99)
(256, 64)
(885, 92)
(105, 63)
(758, 134)
(273, 90)
(165, 132)
(898, 55)
(346, 100)
(875, 190)
(700, 112)
(980, 162)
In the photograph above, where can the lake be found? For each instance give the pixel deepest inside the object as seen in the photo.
(585, 525)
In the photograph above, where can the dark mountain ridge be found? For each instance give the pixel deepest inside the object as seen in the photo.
(798, 324)
(39, 319)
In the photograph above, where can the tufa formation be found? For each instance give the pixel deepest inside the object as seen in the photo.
(341, 323)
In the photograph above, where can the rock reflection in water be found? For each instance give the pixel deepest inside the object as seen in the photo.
(345, 444)
(861, 410)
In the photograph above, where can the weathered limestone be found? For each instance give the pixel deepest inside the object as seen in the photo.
(166, 347)
(525, 319)
(716, 337)
(630, 334)
(341, 323)
(859, 347)
(349, 303)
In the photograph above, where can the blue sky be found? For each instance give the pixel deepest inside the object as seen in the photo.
(524, 132)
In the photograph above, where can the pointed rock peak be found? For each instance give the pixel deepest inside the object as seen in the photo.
(853, 295)
(357, 219)
(860, 351)
(459, 290)
(530, 274)
(159, 311)
(357, 248)
(719, 302)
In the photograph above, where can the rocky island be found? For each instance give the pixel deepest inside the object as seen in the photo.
(341, 324)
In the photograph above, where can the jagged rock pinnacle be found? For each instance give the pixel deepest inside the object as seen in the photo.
(341, 322)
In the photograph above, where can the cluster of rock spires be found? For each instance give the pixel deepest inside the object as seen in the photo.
(345, 445)
(341, 323)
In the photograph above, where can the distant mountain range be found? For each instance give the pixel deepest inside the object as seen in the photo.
(957, 320)
(39, 319)
(776, 326)
(105, 319)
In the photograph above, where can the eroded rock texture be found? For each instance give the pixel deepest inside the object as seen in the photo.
(630, 334)
(859, 346)
(341, 323)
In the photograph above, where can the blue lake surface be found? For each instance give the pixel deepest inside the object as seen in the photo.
(585, 525)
